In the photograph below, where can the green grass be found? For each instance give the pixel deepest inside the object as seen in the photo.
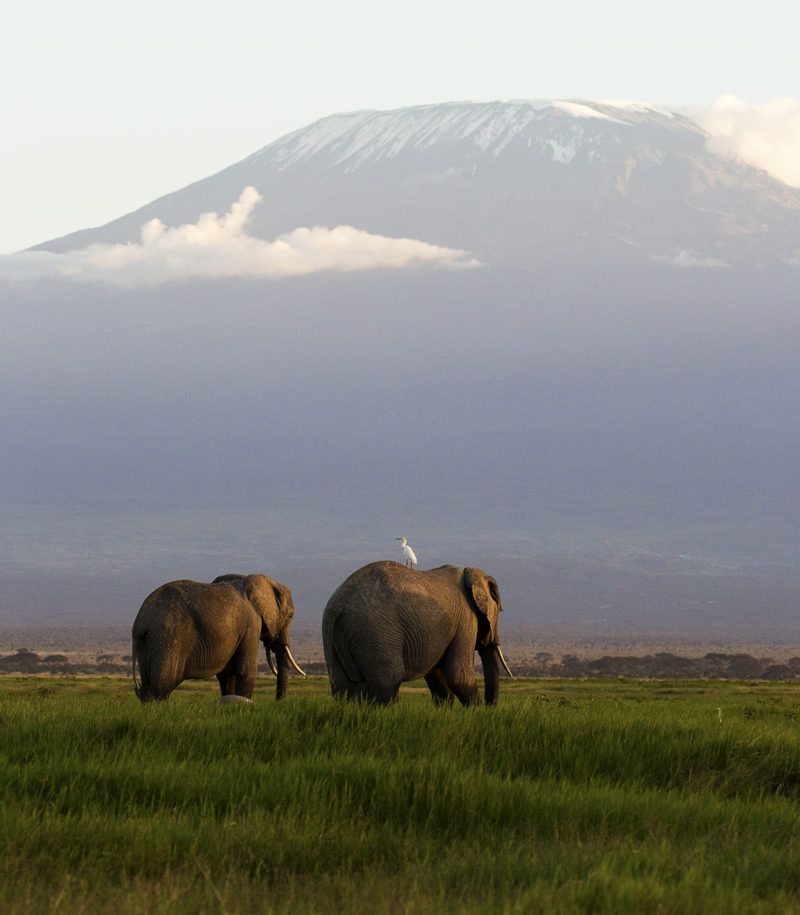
(571, 796)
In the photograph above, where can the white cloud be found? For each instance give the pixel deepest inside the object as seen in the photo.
(683, 258)
(219, 246)
(767, 136)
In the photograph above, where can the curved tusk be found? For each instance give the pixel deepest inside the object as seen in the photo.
(271, 665)
(294, 663)
(503, 661)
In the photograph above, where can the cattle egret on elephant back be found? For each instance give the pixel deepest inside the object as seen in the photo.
(409, 555)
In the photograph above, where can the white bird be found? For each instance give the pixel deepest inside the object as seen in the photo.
(409, 555)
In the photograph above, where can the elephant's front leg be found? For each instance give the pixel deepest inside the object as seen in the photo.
(460, 677)
(237, 679)
(243, 667)
(437, 684)
(227, 682)
(466, 693)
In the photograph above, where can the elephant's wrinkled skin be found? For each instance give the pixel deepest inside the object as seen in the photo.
(387, 624)
(188, 630)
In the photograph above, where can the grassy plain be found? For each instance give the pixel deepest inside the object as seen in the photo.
(570, 797)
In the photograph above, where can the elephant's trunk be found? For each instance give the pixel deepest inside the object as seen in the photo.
(283, 661)
(491, 673)
(282, 673)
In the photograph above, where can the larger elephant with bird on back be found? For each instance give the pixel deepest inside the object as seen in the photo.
(387, 624)
(187, 630)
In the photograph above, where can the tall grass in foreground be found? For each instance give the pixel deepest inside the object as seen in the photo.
(569, 797)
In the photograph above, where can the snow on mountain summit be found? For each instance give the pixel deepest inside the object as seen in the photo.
(487, 127)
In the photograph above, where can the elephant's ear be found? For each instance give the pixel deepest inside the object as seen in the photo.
(283, 598)
(486, 596)
(484, 591)
(271, 600)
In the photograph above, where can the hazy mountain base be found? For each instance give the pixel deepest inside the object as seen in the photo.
(581, 436)
(633, 598)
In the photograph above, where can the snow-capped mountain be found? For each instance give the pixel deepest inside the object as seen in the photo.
(587, 428)
(486, 129)
(512, 182)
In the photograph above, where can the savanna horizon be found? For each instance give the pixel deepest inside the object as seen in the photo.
(531, 652)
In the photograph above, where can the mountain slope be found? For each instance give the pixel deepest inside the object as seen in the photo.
(524, 183)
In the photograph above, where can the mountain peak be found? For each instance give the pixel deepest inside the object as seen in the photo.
(480, 128)
(526, 182)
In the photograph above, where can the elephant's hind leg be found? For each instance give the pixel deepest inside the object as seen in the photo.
(383, 681)
(380, 694)
(342, 686)
(158, 680)
(167, 671)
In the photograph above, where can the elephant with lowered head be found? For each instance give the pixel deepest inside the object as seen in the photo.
(189, 630)
(387, 624)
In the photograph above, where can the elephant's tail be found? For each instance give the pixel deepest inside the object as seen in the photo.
(332, 613)
(137, 686)
(343, 673)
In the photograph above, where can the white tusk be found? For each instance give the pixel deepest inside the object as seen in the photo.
(503, 661)
(271, 665)
(294, 663)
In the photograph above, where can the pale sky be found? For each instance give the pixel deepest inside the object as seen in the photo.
(104, 108)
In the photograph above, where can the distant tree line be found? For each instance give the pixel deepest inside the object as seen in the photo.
(25, 661)
(660, 666)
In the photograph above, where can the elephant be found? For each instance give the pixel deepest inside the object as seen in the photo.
(189, 630)
(387, 624)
